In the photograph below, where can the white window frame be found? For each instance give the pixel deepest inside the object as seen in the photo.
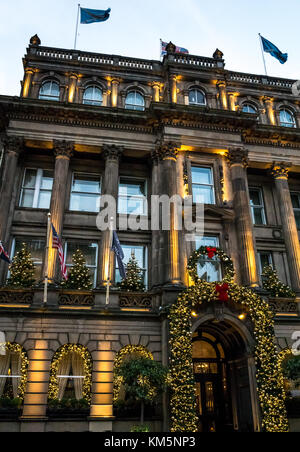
(270, 259)
(93, 101)
(296, 209)
(94, 267)
(37, 189)
(260, 206)
(49, 96)
(249, 105)
(212, 185)
(13, 248)
(286, 123)
(144, 198)
(217, 244)
(85, 193)
(136, 107)
(145, 269)
(197, 103)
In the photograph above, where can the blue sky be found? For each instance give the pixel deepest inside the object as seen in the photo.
(136, 26)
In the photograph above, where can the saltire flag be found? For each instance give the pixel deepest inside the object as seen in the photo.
(88, 16)
(273, 50)
(56, 243)
(3, 254)
(163, 46)
(116, 247)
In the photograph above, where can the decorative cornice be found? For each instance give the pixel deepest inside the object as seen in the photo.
(167, 151)
(280, 170)
(112, 152)
(63, 148)
(238, 156)
(13, 144)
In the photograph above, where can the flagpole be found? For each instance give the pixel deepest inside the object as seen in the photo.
(46, 259)
(109, 255)
(262, 52)
(76, 29)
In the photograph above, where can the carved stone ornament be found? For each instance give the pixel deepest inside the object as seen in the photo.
(13, 144)
(280, 170)
(283, 305)
(237, 156)
(63, 148)
(167, 150)
(112, 152)
(35, 40)
(76, 299)
(135, 300)
(170, 48)
(17, 297)
(218, 55)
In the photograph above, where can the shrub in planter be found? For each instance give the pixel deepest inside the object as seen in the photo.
(291, 369)
(13, 404)
(140, 428)
(57, 405)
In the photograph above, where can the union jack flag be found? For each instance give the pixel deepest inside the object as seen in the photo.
(3, 254)
(178, 49)
(56, 243)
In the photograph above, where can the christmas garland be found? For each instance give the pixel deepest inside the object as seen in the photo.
(16, 348)
(87, 369)
(210, 252)
(127, 350)
(268, 374)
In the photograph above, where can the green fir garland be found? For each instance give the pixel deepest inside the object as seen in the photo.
(272, 284)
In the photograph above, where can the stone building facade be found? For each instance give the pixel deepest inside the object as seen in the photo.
(89, 124)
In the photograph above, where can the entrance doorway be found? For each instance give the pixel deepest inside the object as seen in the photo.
(222, 379)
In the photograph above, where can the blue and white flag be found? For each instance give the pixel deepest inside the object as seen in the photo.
(88, 16)
(273, 50)
(116, 247)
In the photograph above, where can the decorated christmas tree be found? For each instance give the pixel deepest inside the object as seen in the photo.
(272, 284)
(21, 270)
(134, 281)
(79, 275)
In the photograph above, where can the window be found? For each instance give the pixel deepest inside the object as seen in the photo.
(248, 108)
(203, 185)
(10, 373)
(134, 101)
(296, 205)
(208, 269)
(132, 196)
(90, 253)
(85, 193)
(70, 376)
(92, 96)
(140, 253)
(257, 206)
(49, 91)
(264, 259)
(286, 118)
(37, 250)
(36, 188)
(196, 97)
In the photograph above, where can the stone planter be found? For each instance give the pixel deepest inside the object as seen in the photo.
(135, 300)
(283, 305)
(68, 413)
(84, 298)
(16, 296)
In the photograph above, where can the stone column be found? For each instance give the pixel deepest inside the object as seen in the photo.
(238, 160)
(232, 101)
(280, 174)
(169, 268)
(36, 395)
(13, 146)
(63, 151)
(27, 82)
(156, 91)
(173, 88)
(155, 233)
(72, 88)
(270, 111)
(112, 156)
(223, 95)
(114, 92)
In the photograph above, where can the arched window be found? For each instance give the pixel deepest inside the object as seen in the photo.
(134, 101)
(13, 371)
(249, 108)
(49, 91)
(197, 97)
(92, 96)
(70, 376)
(286, 118)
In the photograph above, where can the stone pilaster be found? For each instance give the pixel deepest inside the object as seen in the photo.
(63, 151)
(112, 155)
(114, 92)
(169, 268)
(238, 161)
(270, 110)
(289, 227)
(155, 234)
(173, 88)
(223, 94)
(27, 82)
(102, 389)
(13, 147)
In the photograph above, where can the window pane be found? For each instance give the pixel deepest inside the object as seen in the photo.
(92, 96)
(247, 108)
(196, 97)
(86, 183)
(140, 255)
(44, 199)
(89, 251)
(85, 203)
(297, 218)
(203, 194)
(131, 197)
(135, 101)
(47, 180)
(36, 248)
(258, 215)
(209, 270)
(255, 198)
(27, 198)
(201, 175)
(295, 200)
(206, 241)
(265, 259)
(30, 178)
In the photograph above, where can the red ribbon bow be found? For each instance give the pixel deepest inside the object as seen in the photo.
(211, 252)
(222, 291)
